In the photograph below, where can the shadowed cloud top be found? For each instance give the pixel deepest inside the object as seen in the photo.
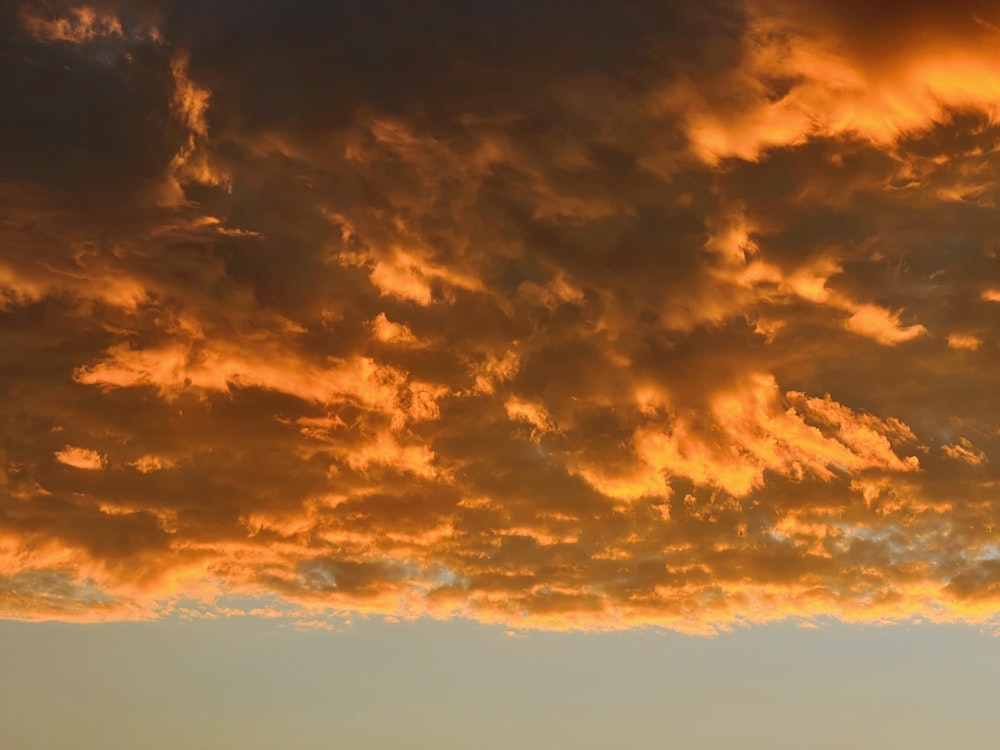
(551, 314)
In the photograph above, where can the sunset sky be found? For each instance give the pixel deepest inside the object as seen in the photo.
(639, 356)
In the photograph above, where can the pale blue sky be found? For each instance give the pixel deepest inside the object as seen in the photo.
(249, 684)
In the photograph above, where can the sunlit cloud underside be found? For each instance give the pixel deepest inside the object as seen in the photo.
(553, 317)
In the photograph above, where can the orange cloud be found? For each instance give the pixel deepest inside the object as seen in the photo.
(804, 77)
(881, 325)
(964, 341)
(388, 332)
(80, 25)
(650, 335)
(385, 451)
(81, 458)
(193, 161)
(406, 276)
(965, 451)
(533, 414)
(172, 369)
(148, 462)
(742, 263)
(754, 433)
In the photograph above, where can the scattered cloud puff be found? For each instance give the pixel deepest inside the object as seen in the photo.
(673, 317)
(81, 458)
(882, 325)
(387, 332)
(964, 450)
(964, 341)
(149, 462)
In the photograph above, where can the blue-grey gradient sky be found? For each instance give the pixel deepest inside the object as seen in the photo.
(632, 364)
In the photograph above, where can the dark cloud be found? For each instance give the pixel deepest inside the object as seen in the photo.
(885, 31)
(565, 315)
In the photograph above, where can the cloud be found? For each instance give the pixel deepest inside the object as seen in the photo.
(533, 414)
(965, 451)
(388, 332)
(753, 432)
(81, 458)
(78, 26)
(813, 71)
(171, 369)
(595, 320)
(881, 325)
(193, 161)
(964, 341)
(149, 462)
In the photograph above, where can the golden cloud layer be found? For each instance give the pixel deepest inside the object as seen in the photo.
(686, 322)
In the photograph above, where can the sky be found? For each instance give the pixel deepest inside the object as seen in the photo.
(660, 328)
(250, 684)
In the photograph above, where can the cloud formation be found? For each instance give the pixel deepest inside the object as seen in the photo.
(680, 315)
